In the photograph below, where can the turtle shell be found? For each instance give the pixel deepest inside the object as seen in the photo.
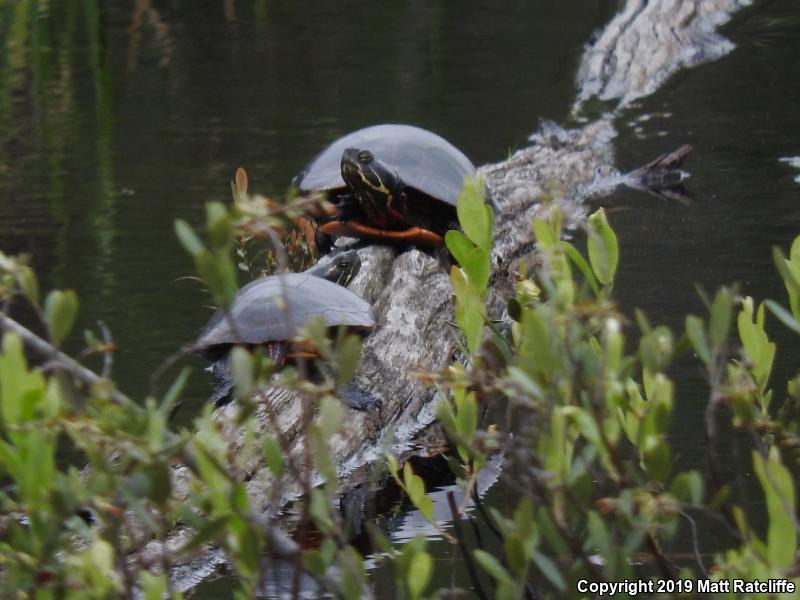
(423, 160)
(275, 308)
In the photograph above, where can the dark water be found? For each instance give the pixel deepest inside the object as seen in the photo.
(740, 115)
(118, 117)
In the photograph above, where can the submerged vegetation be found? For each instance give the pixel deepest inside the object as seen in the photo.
(579, 411)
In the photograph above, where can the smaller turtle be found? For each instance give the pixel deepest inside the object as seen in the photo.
(269, 311)
(389, 183)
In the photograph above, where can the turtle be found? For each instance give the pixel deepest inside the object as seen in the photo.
(388, 183)
(269, 311)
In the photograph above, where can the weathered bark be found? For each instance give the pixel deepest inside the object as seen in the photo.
(647, 42)
(410, 290)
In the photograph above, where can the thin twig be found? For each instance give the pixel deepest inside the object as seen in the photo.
(108, 355)
(488, 520)
(668, 568)
(166, 364)
(47, 350)
(473, 573)
(695, 542)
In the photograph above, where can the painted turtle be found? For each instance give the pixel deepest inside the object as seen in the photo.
(269, 311)
(389, 183)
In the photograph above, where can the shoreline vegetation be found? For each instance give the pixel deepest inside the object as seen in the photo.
(540, 369)
(584, 433)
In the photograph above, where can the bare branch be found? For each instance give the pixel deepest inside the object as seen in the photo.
(73, 367)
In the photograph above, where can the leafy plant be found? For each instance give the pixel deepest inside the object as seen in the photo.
(587, 429)
(472, 250)
(579, 408)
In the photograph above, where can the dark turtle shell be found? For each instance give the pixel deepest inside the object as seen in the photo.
(275, 308)
(423, 160)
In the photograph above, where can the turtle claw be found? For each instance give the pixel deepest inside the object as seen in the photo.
(358, 398)
(223, 382)
(323, 242)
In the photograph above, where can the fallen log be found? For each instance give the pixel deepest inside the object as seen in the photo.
(410, 289)
(647, 42)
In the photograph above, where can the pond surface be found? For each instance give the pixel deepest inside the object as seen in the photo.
(740, 115)
(118, 117)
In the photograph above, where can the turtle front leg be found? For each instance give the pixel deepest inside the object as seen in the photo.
(347, 207)
(358, 398)
(416, 236)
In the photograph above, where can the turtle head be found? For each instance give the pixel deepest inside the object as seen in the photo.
(339, 267)
(374, 184)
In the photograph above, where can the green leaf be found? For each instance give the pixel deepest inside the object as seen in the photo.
(153, 587)
(273, 454)
(755, 342)
(721, 313)
(60, 310)
(314, 563)
(600, 538)
(319, 509)
(160, 483)
(478, 268)
(524, 517)
(415, 488)
(353, 576)
(446, 417)
(550, 532)
(541, 352)
(242, 370)
(18, 386)
(348, 356)
(322, 456)
(26, 279)
(173, 393)
(778, 486)
(470, 310)
(789, 276)
(331, 414)
(544, 234)
(697, 337)
(656, 456)
(659, 393)
(394, 467)
(550, 570)
(459, 245)
(524, 382)
(688, 487)
(783, 315)
(219, 274)
(188, 238)
(220, 231)
(466, 416)
(603, 247)
(419, 574)
(506, 591)
(414, 484)
(794, 251)
(514, 550)
(580, 262)
(474, 215)
(642, 322)
(655, 348)
(492, 566)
